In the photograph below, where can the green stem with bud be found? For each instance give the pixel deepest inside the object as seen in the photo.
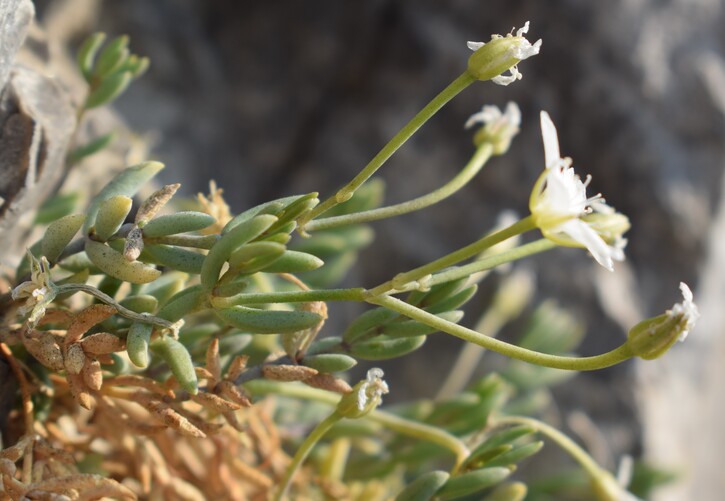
(473, 167)
(608, 359)
(395, 423)
(347, 191)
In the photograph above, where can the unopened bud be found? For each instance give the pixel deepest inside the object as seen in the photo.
(365, 396)
(651, 338)
(501, 54)
(611, 226)
(498, 129)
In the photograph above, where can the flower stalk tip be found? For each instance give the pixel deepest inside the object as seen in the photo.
(493, 58)
(38, 292)
(365, 396)
(498, 128)
(653, 337)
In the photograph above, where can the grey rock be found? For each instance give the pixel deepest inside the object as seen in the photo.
(15, 17)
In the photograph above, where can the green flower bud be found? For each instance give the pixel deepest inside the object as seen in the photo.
(365, 396)
(651, 338)
(493, 58)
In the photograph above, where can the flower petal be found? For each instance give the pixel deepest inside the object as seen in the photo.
(581, 232)
(551, 141)
(474, 46)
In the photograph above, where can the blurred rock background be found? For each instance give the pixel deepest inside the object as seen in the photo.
(284, 97)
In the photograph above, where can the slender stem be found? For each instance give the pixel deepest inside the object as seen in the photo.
(608, 359)
(402, 279)
(423, 432)
(122, 310)
(347, 191)
(490, 262)
(396, 423)
(566, 443)
(304, 451)
(474, 165)
(355, 294)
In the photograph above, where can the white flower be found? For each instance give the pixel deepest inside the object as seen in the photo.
(372, 390)
(559, 200)
(491, 116)
(498, 128)
(37, 292)
(687, 309)
(516, 48)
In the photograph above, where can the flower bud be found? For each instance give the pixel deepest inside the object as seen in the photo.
(610, 225)
(365, 396)
(38, 292)
(498, 128)
(651, 338)
(493, 58)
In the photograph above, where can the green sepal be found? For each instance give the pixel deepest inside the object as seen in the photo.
(181, 222)
(59, 234)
